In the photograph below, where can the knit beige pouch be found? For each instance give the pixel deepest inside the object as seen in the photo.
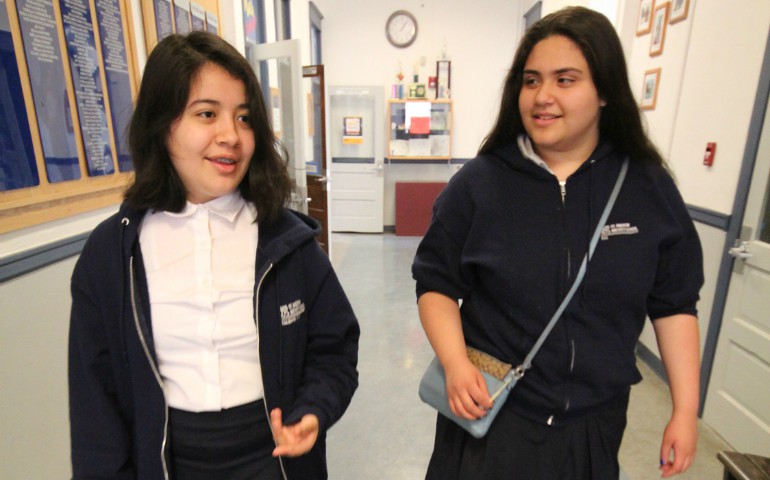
(487, 363)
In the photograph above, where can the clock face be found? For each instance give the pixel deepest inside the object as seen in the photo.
(401, 29)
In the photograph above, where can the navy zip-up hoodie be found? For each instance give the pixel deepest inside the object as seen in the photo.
(118, 413)
(504, 241)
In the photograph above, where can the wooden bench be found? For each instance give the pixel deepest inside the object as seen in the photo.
(741, 466)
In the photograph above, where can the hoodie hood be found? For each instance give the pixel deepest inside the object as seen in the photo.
(284, 235)
(512, 156)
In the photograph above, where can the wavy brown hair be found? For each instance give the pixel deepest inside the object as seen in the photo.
(171, 68)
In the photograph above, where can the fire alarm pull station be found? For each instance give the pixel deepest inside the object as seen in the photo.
(708, 157)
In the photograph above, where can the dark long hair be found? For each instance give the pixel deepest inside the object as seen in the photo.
(171, 68)
(620, 120)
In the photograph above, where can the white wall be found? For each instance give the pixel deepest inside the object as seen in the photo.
(712, 56)
(709, 74)
(33, 353)
(19, 241)
(356, 52)
(300, 27)
(720, 73)
(480, 39)
(608, 7)
(34, 417)
(231, 23)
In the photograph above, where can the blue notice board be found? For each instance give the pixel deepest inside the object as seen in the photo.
(87, 82)
(249, 21)
(18, 168)
(212, 23)
(198, 16)
(182, 16)
(117, 75)
(49, 91)
(163, 25)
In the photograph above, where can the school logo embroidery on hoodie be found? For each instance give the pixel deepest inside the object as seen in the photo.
(291, 312)
(618, 229)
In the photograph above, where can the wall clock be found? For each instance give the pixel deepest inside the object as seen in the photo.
(401, 29)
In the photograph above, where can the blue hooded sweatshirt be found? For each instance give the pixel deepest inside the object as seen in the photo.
(507, 240)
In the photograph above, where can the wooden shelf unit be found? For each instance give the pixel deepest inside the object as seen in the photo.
(419, 129)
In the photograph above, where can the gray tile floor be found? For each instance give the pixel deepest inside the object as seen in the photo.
(387, 433)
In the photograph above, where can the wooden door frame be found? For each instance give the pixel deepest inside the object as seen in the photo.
(317, 71)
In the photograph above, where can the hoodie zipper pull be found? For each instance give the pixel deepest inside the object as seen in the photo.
(563, 188)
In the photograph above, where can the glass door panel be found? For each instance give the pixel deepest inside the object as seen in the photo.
(280, 75)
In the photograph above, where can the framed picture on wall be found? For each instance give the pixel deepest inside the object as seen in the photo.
(650, 89)
(679, 10)
(644, 22)
(443, 78)
(659, 22)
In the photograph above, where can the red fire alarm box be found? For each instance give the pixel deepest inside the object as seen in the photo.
(708, 157)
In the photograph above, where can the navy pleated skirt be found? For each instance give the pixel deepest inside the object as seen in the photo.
(232, 444)
(517, 448)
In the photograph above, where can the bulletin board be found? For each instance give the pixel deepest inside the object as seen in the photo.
(68, 79)
(164, 17)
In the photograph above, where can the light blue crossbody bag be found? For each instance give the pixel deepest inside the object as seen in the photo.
(502, 377)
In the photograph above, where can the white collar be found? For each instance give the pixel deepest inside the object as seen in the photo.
(227, 206)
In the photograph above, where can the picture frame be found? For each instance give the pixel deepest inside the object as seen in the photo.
(659, 22)
(650, 87)
(679, 10)
(644, 19)
(352, 130)
(417, 90)
(352, 126)
(443, 78)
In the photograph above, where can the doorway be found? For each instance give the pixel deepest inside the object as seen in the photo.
(279, 72)
(737, 405)
(357, 156)
(317, 179)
